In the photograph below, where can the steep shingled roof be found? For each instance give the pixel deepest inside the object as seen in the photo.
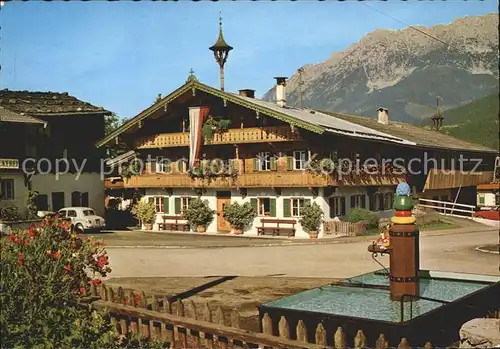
(318, 122)
(421, 136)
(46, 103)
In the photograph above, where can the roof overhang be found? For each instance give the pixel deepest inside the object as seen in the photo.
(227, 97)
(9, 116)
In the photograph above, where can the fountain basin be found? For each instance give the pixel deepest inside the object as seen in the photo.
(446, 301)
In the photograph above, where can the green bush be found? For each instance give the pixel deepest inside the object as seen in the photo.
(361, 214)
(144, 211)
(198, 213)
(312, 217)
(9, 214)
(239, 216)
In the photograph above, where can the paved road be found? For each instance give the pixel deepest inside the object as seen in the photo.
(447, 252)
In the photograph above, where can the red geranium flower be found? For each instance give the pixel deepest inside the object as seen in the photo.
(12, 236)
(102, 261)
(57, 254)
(82, 290)
(20, 256)
(27, 243)
(96, 282)
(67, 267)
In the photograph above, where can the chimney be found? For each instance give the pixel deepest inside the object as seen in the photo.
(247, 93)
(281, 91)
(383, 116)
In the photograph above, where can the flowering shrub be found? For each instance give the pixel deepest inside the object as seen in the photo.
(45, 270)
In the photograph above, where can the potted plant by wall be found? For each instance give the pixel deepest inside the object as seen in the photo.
(199, 215)
(239, 216)
(145, 212)
(312, 217)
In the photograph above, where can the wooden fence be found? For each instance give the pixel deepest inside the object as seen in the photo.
(343, 228)
(181, 325)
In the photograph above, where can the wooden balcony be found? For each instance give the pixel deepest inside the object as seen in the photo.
(114, 183)
(231, 136)
(245, 180)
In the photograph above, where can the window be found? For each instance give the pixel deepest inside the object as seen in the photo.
(159, 204)
(481, 199)
(358, 201)
(76, 199)
(185, 203)
(299, 159)
(297, 204)
(264, 161)
(71, 213)
(7, 189)
(380, 200)
(337, 206)
(88, 213)
(388, 201)
(264, 206)
(162, 165)
(42, 202)
(181, 165)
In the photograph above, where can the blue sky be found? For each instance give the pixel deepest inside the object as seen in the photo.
(120, 55)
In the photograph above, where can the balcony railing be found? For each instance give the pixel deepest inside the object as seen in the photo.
(231, 136)
(248, 178)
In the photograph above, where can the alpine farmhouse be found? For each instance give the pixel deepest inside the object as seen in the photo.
(39, 130)
(264, 154)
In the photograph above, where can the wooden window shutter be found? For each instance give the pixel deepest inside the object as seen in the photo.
(166, 200)
(255, 164)
(331, 203)
(152, 165)
(177, 205)
(235, 165)
(342, 205)
(289, 163)
(352, 199)
(272, 163)
(287, 209)
(253, 203)
(363, 201)
(272, 207)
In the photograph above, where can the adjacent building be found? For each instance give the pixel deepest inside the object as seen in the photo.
(47, 144)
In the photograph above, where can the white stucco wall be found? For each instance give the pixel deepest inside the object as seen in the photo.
(489, 199)
(253, 193)
(68, 183)
(20, 192)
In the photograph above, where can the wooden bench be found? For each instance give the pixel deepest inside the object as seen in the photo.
(275, 229)
(173, 226)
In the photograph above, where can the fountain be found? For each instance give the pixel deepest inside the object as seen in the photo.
(402, 301)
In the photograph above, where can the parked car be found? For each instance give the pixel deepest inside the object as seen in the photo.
(82, 219)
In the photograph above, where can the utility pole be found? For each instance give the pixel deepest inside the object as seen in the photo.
(300, 71)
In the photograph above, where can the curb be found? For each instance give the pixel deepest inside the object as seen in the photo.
(288, 244)
(481, 249)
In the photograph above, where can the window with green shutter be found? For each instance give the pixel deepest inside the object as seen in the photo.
(287, 210)
(289, 163)
(253, 203)
(255, 164)
(273, 165)
(272, 207)
(177, 205)
(166, 201)
(481, 199)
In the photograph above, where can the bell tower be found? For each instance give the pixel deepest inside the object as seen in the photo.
(221, 51)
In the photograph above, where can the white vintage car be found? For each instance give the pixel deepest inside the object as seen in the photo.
(82, 219)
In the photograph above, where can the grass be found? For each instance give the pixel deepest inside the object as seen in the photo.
(426, 226)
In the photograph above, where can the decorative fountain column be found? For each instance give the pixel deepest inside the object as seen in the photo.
(402, 245)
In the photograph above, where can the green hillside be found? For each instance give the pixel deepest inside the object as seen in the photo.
(476, 122)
